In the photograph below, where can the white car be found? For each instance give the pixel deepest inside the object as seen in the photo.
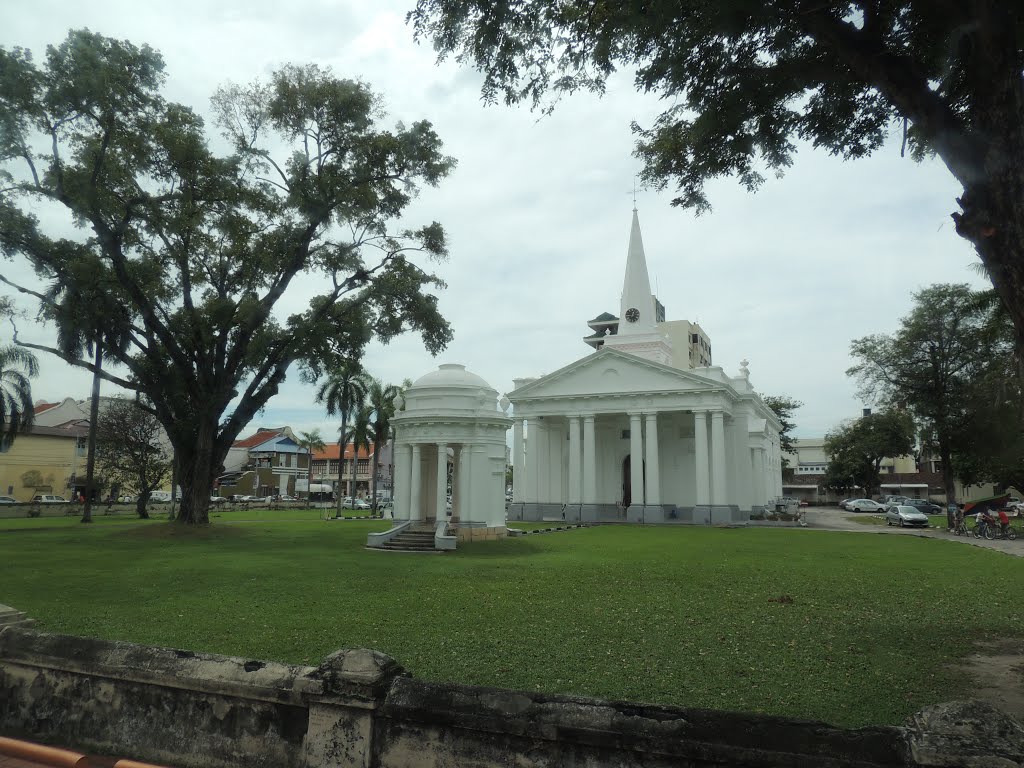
(864, 505)
(360, 504)
(46, 498)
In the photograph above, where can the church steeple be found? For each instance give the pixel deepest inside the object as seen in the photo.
(636, 309)
(638, 332)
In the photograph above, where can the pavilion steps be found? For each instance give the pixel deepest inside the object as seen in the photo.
(11, 617)
(411, 541)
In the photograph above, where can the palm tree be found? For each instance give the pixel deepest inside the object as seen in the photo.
(360, 434)
(311, 441)
(17, 366)
(381, 398)
(343, 393)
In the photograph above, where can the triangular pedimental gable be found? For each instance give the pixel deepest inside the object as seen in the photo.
(611, 372)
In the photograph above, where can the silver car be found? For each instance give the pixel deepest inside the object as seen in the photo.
(902, 515)
(864, 505)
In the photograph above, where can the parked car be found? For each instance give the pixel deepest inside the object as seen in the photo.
(844, 502)
(218, 499)
(865, 505)
(8, 500)
(287, 498)
(127, 499)
(904, 515)
(46, 498)
(923, 505)
(360, 504)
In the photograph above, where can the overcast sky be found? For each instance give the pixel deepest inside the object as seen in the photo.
(538, 211)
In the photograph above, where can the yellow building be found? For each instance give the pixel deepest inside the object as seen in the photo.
(45, 460)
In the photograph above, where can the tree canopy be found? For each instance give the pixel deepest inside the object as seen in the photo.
(855, 450)
(746, 80)
(130, 452)
(191, 264)
(783, 407)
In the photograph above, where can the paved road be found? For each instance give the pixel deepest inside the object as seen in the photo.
(835, 519)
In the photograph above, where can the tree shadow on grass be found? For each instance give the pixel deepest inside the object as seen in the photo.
(172, 531)
(513, 546)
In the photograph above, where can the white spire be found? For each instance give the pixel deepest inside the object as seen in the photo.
(636, 310)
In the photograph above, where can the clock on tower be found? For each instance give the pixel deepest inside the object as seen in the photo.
(632, 314)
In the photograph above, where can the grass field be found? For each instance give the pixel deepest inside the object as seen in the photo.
(867, 631)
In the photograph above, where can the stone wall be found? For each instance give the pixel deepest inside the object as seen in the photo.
(359, 708)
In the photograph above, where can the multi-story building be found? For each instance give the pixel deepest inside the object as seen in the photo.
(44, 460)
(267, 463)
(325, 470)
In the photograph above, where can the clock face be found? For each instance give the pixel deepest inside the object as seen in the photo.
(632, 314)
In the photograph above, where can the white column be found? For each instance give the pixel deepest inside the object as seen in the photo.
(518, 461)
(463, 474)
(652, 494)
(718, 457)
(589, 461)
(530, 493)
(574, 460)
(636, 460)
(760, 478)
(400, 495)
(543, 463)
(442, 481)
(700, 434)
(415, 503)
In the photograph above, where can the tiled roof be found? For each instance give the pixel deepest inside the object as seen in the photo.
(330, 452)
(40, 407)
(261, 436)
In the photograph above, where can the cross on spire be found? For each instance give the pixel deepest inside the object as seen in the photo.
(634, 191)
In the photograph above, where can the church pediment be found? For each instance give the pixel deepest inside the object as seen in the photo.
(610, 372)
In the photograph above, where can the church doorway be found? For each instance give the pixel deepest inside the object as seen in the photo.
(627, 481)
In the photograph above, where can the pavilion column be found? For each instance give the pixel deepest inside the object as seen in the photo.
(574, 460)
(652, 494)
(636, 461)
(463, 475)
(532, 490)
(718, 458)
(400, 494)
(589, 461)
(415, 502)
(518, 461)
(700, 435)
(442, 482)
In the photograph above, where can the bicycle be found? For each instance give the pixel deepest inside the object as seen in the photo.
(983, 530)
(1010, 534)
(960, 529)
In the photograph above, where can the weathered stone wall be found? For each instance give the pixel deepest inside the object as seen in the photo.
(359, 708)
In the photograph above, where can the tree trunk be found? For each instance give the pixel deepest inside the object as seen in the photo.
(373, 479)
(341, 460)
(946, 457)
(355, 464)
(94, 410)
(197, 467)
(140, 506)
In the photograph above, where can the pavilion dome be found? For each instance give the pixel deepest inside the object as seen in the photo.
(452, 390)
(450, 375)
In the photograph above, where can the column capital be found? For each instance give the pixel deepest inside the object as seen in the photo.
(573, 417)
(651, 415)
(589, 417)
(718, 414)
(634, 415)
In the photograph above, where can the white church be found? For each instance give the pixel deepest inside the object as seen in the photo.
(643, 430)
(636, 432)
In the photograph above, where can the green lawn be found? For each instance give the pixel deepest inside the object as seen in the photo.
(685, 616)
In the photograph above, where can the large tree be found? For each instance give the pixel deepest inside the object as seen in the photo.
(858, 448)
(129, 450)
(746, 79)
(198, 251)
(930, 365)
